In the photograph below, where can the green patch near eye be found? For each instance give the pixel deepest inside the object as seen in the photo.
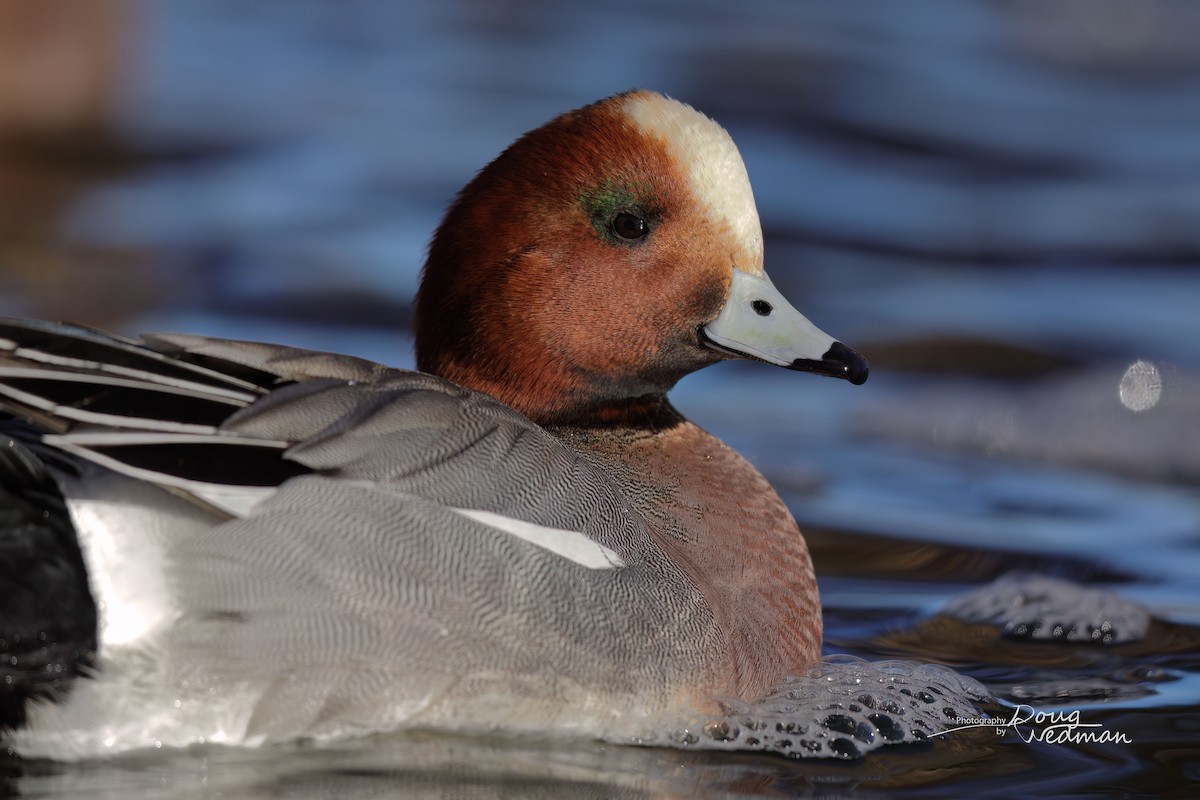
(613, 198)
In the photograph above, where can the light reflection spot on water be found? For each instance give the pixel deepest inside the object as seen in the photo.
(1141, 386)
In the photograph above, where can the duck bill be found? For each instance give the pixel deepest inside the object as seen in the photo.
(758, 322)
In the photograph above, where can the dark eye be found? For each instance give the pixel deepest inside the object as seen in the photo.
(629, 226)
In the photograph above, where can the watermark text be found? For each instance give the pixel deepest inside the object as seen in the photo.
(1051, 727)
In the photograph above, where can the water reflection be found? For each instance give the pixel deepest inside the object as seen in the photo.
(995, 202)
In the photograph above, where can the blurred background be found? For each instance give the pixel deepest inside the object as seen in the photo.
(978, 189)
(998, 202)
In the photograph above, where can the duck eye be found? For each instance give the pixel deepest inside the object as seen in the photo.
(629, 226)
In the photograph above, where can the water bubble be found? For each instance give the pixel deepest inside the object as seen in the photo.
(887, 727)
(1141, 386)
(722, 731)
(686, 737)
(840, 723)
(844, 748)
(865, 732)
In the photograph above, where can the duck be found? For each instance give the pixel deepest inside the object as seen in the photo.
(221, 541)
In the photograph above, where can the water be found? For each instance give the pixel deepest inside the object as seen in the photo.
(996, 203)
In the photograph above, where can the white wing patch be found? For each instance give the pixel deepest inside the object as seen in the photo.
(571, 545)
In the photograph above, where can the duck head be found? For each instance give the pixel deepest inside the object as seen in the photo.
(601, 258)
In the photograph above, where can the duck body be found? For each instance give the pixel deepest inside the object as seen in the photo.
(251, 543)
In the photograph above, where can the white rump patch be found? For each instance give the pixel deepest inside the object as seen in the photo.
(126, 573)
(714, 167)
(571, 545)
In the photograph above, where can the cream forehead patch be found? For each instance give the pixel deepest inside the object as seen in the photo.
(713, 164)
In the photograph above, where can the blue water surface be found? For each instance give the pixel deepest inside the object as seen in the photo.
(996, 203)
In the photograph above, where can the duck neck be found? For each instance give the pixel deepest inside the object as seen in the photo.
(648, 414)
(717, 518)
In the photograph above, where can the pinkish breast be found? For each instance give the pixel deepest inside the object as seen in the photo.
(718, 519)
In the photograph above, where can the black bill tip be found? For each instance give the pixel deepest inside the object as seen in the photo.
(839, 362)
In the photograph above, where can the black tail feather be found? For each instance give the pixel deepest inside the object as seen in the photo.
(48, 623)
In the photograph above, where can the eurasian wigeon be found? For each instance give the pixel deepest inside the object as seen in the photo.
(242, 542)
